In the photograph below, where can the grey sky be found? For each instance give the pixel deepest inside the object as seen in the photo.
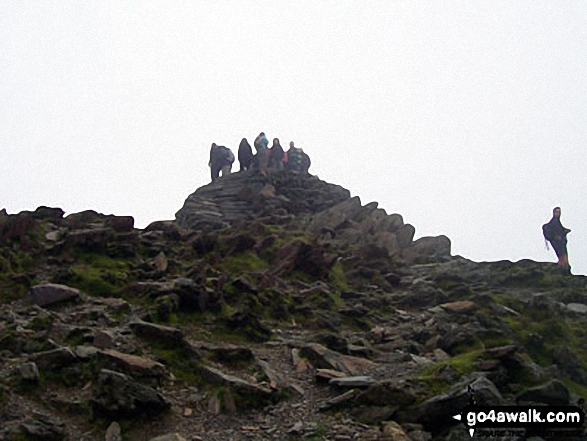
(468, 118)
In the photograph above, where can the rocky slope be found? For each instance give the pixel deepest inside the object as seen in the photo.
(273, 308)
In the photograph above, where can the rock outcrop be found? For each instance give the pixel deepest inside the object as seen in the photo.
(300, 201)
(274, 308)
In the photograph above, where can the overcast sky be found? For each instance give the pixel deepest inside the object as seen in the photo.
(469, 118)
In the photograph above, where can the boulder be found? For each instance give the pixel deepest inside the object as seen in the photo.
(91, 239)
(113, 433)
(569, 363)
(17, 227)
(42, 428)
(29, 372)
(133, 364)
(120, 223)
(48, 213)
(336, 216)
(83, 219)
(427, 249)
(437, 411)
(51, 293)
(324, 358)
(53, 359)
(405, 235)
(252, 394)
(117, 395)
(157, 333)
(552, 393)
(394, 431)
(169, 229)
(388, 392)
(361, 381)
(299, 255)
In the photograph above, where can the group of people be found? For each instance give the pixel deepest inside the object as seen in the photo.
(222, 158)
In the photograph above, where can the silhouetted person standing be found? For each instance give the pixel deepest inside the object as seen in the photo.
(276, 155)
(221, 158)
(245, 155)
(556, 234)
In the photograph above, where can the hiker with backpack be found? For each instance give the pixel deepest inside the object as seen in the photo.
(221, 159)
(556, 234)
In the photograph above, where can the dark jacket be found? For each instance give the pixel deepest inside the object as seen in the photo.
(245, 152)
(554, 231)
(276, 154)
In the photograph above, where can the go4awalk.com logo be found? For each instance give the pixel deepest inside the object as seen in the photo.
(533, 418)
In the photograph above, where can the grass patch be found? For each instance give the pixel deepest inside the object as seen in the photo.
(90, 280)
(461, 364)
(243, 262)
(338, 277)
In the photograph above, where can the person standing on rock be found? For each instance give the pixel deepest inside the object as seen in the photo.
(245, 154)
(294, 157)
(261, 144)
(556, 234)
(276, 155)
(221, 159)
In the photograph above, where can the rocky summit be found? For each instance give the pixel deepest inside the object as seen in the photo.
(273, 308)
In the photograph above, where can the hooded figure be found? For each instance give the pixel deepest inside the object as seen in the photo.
(276, 155)
(245, 155)
(556, 234)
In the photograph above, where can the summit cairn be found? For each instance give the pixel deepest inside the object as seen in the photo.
(325, 211)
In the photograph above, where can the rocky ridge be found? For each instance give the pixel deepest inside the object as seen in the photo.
(273, 308)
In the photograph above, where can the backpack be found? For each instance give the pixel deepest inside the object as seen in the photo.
(547, 231)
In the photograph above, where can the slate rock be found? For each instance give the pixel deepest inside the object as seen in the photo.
(120, 223)
(51, 293)
(388, 392)
(552, 393)
(113, 433)
(577, 309)
(324, 358)
(169, 437)
(18, 227)
(339, 401)
(54, 359)
(49, 213)
(29, 372)
(252, 393)
(91, 239)
(373, 415)
(360, 381)
(133, 364)
(437, 411)
(116, 395)
(394, 431)
(43, 428)
(405, 235)
(157, 333)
